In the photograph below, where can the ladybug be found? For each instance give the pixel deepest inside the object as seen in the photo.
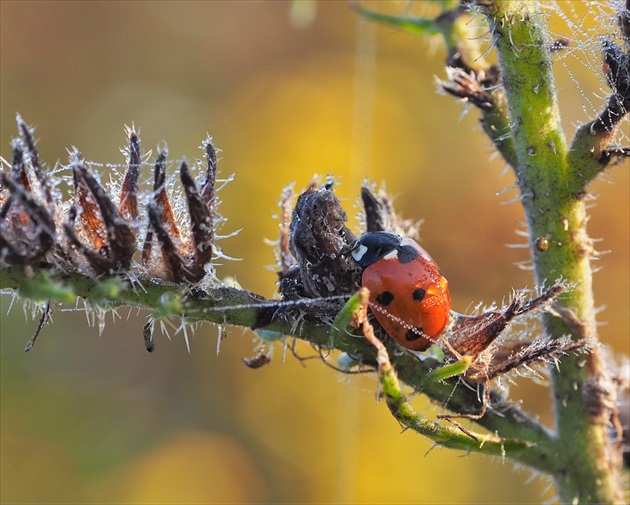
(408, 294)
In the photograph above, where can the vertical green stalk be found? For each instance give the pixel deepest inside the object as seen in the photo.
(556, 217)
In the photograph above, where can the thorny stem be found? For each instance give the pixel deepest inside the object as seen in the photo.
(224, 305)
(536, 455)
(553, 200)
(456, 438)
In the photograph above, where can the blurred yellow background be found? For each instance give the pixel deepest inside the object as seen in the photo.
(89, 418)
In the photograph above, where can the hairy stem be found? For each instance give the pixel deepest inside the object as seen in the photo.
(457, 437)
(224, 305)
(555, 210)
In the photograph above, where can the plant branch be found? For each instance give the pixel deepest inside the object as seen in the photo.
(535, 455)
(556, 211)
(92, 259)
(225, 305)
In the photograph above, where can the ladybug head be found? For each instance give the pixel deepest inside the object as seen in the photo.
(371, 247)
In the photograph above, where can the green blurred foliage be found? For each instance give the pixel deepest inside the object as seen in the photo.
(97, 419)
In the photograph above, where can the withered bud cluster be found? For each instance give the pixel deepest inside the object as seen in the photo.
(471, 84)
(315, 242)
(95, 235)
(27, 221)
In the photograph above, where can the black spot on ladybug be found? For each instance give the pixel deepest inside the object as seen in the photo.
(413, 334)
(419, 294)
(406, 254)
(385, 298)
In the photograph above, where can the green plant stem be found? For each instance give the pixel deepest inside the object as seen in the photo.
(555, 210)
(523, 451)
(456, 436)
(224, 305)
(496, 124)
(462, 44)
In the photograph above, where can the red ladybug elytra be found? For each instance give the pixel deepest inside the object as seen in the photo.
(408, 295)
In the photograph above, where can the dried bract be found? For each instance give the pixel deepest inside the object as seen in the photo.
(161, 219)
(104, 238)
(471, 335)
(286, 259)
(128, 206)
(201, 212)
(26, 137)
(616, 65)
(380, 214)
(27, 228)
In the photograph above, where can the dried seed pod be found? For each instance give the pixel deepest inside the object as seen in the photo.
(27, 226)
(319, 240)
(99, 237)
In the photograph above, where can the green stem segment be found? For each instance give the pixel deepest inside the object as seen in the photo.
(553, 202)
(452, 437)
(225, 305)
